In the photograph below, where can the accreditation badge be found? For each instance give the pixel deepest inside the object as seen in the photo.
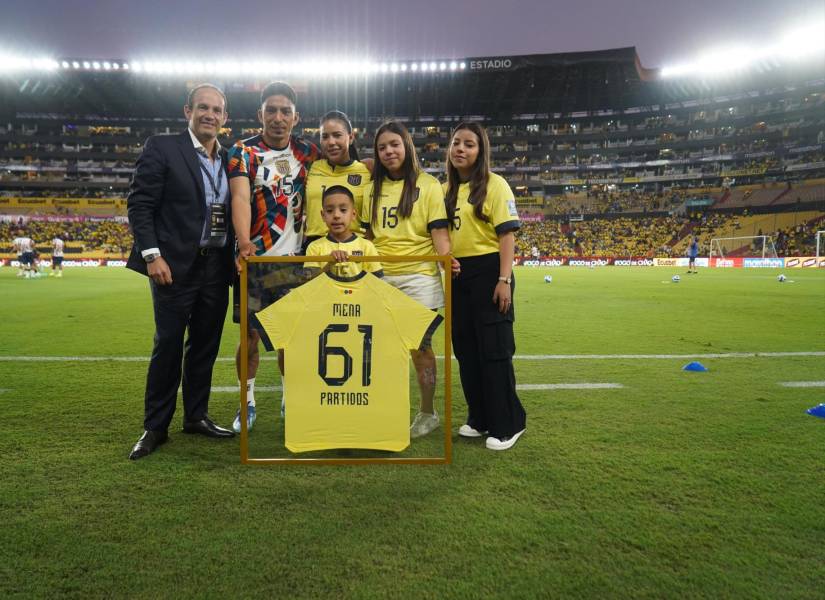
(217, 222)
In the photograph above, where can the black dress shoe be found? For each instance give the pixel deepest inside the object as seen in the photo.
(147, 444)
(206, 427)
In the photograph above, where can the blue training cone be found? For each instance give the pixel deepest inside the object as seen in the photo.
(695, 366)
(817, 411)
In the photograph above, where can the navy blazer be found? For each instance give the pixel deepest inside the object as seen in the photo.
(166, 205)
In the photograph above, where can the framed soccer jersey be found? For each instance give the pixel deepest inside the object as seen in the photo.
(346, 343)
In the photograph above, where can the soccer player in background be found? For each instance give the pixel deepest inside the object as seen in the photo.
(26, 249)
(340, 242)
(483, 219)
(403, 213)
(16, 248)
(57, 257)
(693, 252)
(338, 167)
(267, 175)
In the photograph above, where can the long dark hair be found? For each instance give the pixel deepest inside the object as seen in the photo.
(478, 176)
(410, 169)
(337, 115)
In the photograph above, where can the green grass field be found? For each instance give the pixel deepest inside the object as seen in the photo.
(677, 484)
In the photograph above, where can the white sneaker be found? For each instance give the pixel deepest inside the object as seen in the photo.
(423, 424)
(468, 432)
(251, 415)
(503, 443)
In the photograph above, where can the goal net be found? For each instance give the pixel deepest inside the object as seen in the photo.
(820, 243)
(748, 245)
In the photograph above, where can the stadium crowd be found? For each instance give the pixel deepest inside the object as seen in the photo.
(95, 236)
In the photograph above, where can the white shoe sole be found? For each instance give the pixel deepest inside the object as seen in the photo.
(468, 432)
(494, 443)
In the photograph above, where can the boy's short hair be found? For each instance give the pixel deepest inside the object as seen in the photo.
(279, 88)
(337, 189)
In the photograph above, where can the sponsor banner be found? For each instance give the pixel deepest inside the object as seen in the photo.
(727, 262)
(805, 262)
(806, 166)
(668, 262)
(763, 263)
(531, 218)
(743, 172)
(634, 262)
(544, 261)
(590, 261)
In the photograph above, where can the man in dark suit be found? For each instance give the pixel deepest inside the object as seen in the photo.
(178, 209)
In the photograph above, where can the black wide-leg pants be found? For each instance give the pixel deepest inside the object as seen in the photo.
(484, 345)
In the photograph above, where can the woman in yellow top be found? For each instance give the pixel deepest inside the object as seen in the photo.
(483, 219)
(340, 166)
(404, 214)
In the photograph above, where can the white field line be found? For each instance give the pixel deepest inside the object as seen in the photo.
(516, 357)
(802, 384)
(234, 389)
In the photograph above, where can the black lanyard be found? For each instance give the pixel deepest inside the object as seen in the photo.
(215, 189)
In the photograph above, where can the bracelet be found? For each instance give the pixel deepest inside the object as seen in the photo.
(506, 280)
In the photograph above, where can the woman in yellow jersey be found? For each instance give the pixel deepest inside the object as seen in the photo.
(403, 213)
(483, 219)
(340, 166)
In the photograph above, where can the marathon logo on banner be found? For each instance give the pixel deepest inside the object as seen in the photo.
(763, 263)
(634, 262)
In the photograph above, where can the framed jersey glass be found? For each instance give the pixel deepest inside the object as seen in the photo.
(348, 387)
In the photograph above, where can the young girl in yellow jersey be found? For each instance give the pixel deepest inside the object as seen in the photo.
(483, 219)
(340, 166)
(403, 213)
(340, 242)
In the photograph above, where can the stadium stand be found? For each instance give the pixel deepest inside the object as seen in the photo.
(603, 155)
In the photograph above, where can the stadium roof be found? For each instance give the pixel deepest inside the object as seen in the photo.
(494, 87)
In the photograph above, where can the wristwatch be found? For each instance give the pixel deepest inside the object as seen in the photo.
(151, 257)
(506, 280)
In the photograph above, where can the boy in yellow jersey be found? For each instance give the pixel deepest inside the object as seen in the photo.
(338, 214)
